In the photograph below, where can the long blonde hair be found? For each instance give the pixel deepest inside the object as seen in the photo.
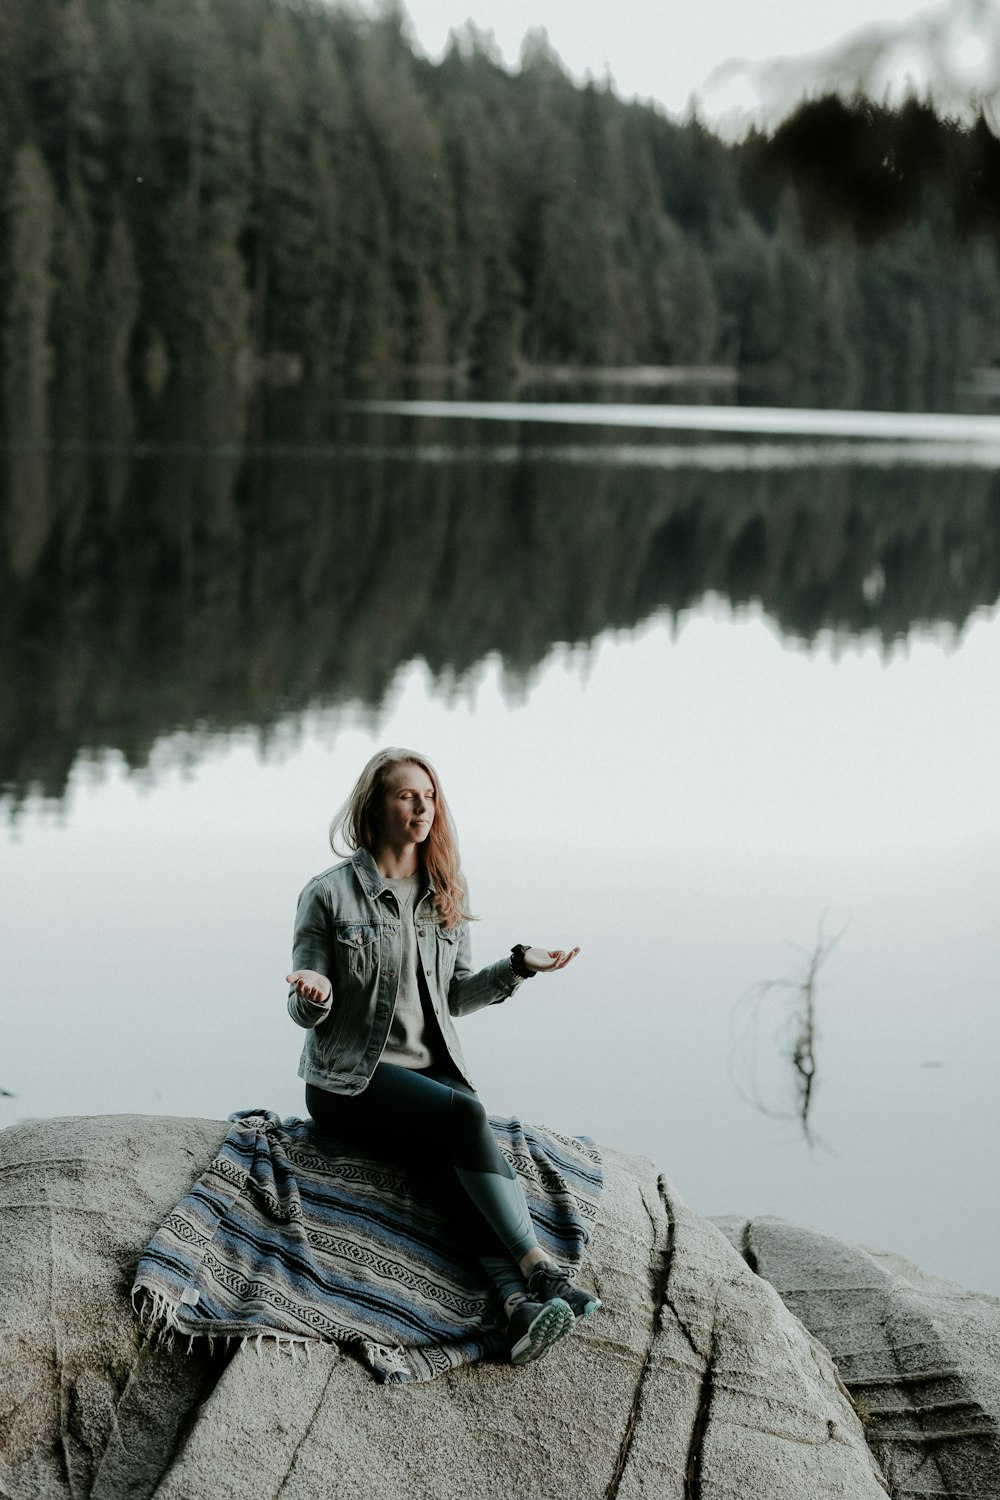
(356, 826)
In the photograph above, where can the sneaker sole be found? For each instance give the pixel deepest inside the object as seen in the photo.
(552, 1324)
(582, 1304)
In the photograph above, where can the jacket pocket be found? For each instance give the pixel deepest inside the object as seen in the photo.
(356, 950)
(446, 947)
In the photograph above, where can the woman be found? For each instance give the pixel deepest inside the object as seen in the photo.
(381, 961)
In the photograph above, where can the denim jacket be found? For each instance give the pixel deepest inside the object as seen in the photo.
(347, 927)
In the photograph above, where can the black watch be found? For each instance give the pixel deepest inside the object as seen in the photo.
(518, 964)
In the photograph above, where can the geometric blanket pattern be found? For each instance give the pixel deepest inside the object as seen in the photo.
(288, 1237)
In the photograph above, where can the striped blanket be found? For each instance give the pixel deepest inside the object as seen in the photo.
(290, 1238)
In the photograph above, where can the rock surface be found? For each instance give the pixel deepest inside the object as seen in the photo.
(695, 1381)
(919, 1355)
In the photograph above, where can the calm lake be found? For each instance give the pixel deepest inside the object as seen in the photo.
(716, 699)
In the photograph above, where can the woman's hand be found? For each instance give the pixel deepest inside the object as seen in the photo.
(544, 960)
(310, 985)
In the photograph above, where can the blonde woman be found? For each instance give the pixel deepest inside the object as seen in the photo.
(381, 959)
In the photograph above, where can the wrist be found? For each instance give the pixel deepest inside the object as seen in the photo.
(517, 962)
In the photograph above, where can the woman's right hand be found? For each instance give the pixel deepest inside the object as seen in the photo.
(310, 985)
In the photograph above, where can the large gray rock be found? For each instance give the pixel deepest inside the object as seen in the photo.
(693, 1381)
(919, 1355)
(86, 1408)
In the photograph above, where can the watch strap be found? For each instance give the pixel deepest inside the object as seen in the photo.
(517, 962)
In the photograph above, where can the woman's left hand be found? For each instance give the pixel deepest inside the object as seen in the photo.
(544, 960)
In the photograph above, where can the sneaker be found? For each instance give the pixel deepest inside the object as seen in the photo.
(546, 1281)
(534, 1327)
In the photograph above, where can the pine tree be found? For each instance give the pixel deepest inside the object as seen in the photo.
(117, 299)
(27, 350)
(27, 355)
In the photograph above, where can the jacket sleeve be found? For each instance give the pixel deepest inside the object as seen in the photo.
(311, 950)
(470, 990)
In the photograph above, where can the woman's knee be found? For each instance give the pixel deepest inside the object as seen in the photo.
(472, 1143)
(468, 1114)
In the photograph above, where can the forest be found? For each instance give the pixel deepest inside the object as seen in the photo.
(221, 194)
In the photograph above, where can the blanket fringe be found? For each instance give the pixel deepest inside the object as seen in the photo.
(158, 1321)
(392, 1361)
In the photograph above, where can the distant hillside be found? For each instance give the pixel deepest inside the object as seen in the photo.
(209, 189)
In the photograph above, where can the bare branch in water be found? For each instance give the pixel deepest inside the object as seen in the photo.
(796, 1035)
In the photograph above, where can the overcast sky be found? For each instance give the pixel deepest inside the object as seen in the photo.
(662, 49)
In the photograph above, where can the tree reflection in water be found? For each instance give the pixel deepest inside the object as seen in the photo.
(794, 1036)
(208, 587)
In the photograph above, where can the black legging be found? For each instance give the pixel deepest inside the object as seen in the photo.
(433, 1120)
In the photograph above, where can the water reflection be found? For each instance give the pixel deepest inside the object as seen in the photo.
(751, 420)
(205, 587)
(794, 1041)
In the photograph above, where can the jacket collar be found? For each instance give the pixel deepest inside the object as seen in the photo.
(371, 877)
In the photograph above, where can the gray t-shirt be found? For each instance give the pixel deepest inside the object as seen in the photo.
(410, 1043)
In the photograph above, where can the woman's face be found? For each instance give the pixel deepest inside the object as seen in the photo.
(407, 805)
